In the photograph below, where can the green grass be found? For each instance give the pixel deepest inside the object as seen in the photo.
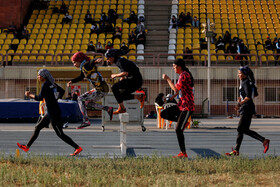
(35, 170)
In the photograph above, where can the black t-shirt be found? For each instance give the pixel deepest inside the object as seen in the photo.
(246, 90)
(49, 92)
(128, 66)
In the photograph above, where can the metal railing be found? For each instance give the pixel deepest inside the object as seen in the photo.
(267, 55)
(154, 59)
(236, 55)
(70, 54)
(180, 54)
(29, 54)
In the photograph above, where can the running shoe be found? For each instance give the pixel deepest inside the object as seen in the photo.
(181, 155)
(266, 145)
(77, 151)
(65, 125)
(119, 111)
(233, 153)
(110, 112)
(23, 147)
(84, 124)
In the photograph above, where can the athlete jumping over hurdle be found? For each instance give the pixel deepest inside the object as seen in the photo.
(89, 70)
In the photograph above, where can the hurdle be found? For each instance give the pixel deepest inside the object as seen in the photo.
(124, 119)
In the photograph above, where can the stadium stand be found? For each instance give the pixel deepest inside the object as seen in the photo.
(47, 34)
(251, 20)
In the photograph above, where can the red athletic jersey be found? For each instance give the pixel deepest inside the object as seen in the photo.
(183, 84)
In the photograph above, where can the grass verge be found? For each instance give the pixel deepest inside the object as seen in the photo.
(41, 170)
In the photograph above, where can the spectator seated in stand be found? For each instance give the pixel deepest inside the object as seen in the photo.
(195, 22)
(189, 18)
(182, 20)
(242, 49)
(94, 29)
(227, 38)
(139, 28)
(25, 33)
(88, 17)
(91, 47)
(132, 18)
(12, 29)
(220, 44)
(109, 45)
(232, 48)
(124, 48)
(141, 38)
(103, 17)
(274, 43)
(132, 38)
(67, 18)
(112, 16)
(63, 8)
(117, 33)
(173, 24)
(99, 48)
(268, 44)
(188, 58)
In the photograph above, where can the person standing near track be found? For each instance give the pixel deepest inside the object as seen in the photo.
(185, 107)
(89, 70)
(50, 94)
(130, 79)
(246, 108)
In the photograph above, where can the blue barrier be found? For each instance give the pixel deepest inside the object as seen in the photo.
(19, 109)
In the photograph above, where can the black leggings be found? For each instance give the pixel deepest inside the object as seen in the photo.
(57, 126)
(122, 90)
(173, 113)
(243, 128)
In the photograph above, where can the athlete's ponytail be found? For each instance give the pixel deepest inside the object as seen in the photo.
(250, 74)
(180, 62)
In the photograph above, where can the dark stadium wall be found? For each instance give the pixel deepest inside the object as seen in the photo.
(13, 11)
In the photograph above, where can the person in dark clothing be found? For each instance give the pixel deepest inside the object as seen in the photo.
(189, 18)
(124, 47)
(88, 18)
(220, 44)
(67, 18)
(75, 95)
(182, 20)
(63, 8)
(188, 58)
(232, 48)
(91, 47)
(132, 18)
(183, 110)
(50, 93)
(132, 38)
(242, 49)
(141, 38)
(246, 108)
(159, 99)
(227, 38)
(89, 71)
(268, 44)
(112, 16)
(130, 79)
